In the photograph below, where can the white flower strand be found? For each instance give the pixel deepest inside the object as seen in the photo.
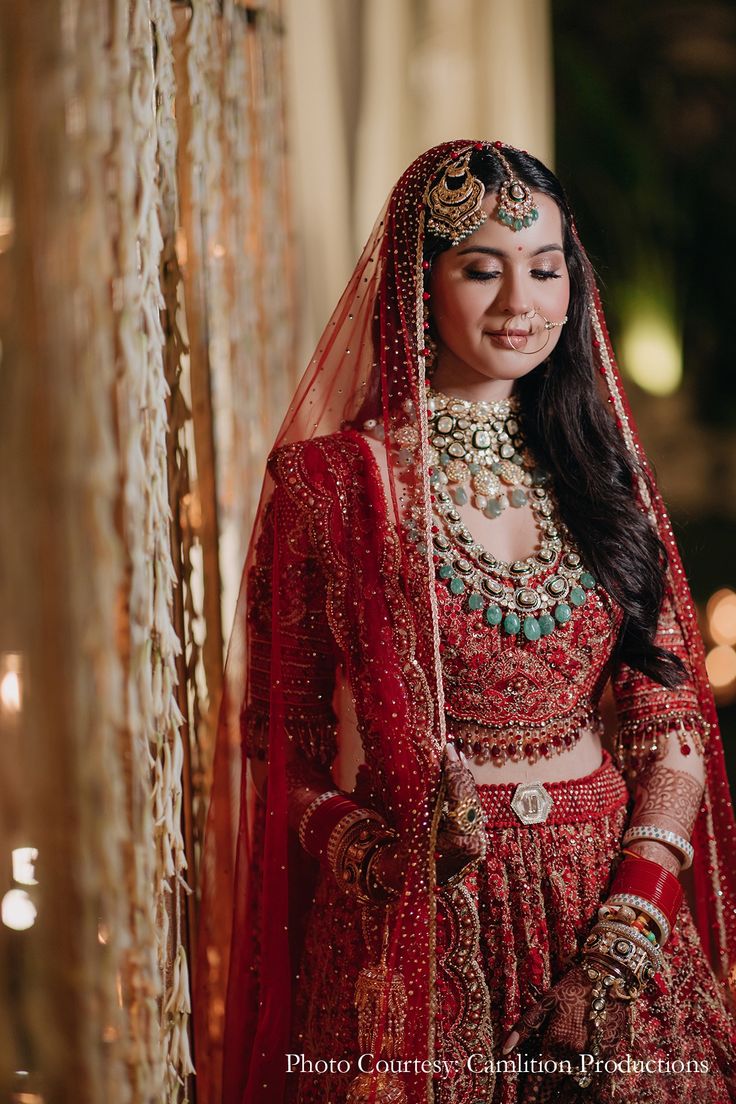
(146, 1069)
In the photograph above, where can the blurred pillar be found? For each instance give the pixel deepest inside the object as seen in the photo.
(319, 160)
(370, 90)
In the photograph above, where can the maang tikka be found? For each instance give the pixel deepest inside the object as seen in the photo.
(454, 202)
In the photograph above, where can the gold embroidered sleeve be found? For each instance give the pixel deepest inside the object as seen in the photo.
(307, 650)
(650, 714)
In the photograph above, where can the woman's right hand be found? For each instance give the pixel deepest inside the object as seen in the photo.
(461, 838)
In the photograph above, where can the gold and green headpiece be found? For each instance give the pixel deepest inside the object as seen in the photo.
(454, 202)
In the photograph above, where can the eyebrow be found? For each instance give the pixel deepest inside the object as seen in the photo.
(551, 248)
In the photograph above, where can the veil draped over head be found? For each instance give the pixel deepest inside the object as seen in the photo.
(356, 535)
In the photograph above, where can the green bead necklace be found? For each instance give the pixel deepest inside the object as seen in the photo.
(510, 595)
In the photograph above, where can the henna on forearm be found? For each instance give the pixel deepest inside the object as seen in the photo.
(658, 853)
(665, 798)
(668, 798)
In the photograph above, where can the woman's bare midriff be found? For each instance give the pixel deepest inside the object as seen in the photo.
(585, 757)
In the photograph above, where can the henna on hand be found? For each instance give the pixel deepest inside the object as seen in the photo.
(561, 1018)
(456, 847)
(670, 799)
(390, 866)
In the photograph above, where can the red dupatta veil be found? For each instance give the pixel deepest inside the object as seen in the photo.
(255, 886)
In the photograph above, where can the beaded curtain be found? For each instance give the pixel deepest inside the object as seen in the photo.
(140, 322)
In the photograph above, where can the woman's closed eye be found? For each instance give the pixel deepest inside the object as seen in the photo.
(483, 274)
(493, 274)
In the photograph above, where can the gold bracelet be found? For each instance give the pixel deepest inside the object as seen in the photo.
(375, 887)
(350, 846)
(624, 946)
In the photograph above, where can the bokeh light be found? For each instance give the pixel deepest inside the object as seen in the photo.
(721, 613)
(17, 910)
(23, 861)
(652, 352)
(721, 666)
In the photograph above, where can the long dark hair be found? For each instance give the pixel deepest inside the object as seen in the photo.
(573, 435)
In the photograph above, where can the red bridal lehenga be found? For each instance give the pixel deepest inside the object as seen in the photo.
(341, 587)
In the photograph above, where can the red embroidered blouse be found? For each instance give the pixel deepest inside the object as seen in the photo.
(496, 686)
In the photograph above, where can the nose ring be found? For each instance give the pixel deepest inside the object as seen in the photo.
(528, 315)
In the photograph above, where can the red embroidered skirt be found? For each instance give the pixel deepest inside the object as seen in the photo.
(505, 935)
(536, 896)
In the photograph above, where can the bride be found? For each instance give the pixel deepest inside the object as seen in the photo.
(429, 874)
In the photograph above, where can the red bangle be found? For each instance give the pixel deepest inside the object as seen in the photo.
(322, 821)
(647, 879)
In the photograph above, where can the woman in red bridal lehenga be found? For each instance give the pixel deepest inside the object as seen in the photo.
(430, 847)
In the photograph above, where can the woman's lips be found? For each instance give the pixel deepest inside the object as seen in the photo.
(509, 339)
(509, 333)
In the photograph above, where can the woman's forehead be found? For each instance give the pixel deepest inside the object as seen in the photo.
(544, 233)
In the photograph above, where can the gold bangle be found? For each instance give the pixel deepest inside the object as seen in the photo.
(350, 846)
(625, 947)
(376, 889)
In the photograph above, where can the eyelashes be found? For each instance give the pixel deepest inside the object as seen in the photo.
(485, 277)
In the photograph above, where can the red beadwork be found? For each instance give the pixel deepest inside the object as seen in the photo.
(595, 795)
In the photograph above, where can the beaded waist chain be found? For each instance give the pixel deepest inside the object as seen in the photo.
(499, 744)
(571, 801)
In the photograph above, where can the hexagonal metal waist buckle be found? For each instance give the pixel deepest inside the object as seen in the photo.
(531, 802)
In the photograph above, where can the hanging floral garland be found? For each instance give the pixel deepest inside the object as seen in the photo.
(160, 1059)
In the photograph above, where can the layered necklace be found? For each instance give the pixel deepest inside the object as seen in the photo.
(478, 454)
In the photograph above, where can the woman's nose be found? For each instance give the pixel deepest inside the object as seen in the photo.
(514, 297)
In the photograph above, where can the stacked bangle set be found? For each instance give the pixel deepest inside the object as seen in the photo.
(352, 838)
(624, 949)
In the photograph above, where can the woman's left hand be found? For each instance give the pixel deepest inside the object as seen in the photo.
(561, 1020)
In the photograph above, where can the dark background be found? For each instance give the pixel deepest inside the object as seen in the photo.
(646, 147)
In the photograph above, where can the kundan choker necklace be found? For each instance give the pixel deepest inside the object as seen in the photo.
(482, 443)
